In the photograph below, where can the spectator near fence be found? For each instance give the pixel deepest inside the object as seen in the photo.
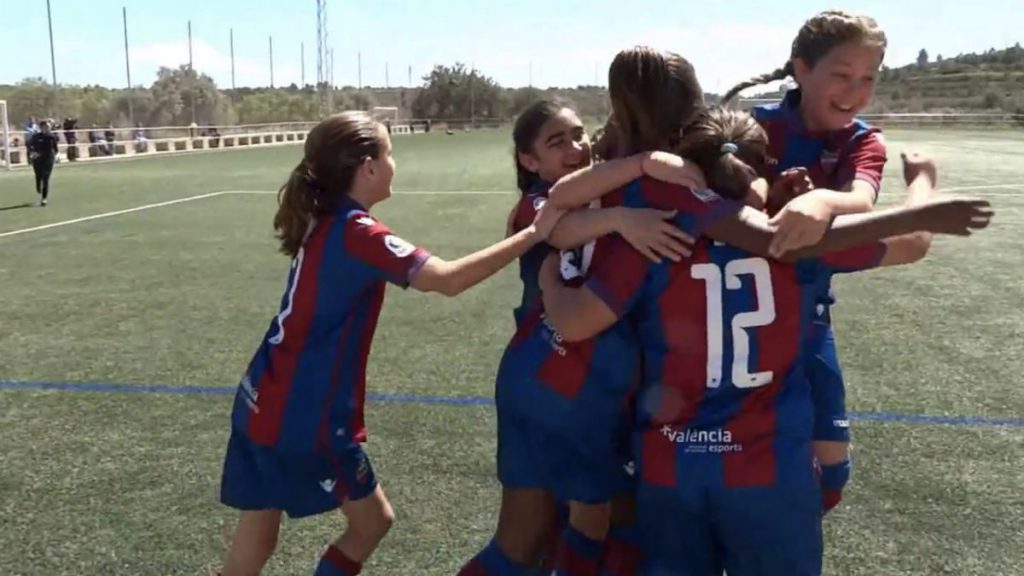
(69, 126)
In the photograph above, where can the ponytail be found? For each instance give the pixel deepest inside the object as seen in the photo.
(777, 74)
(334, 150)
(606, 141)
(297, 208)
(818, 36)
(729, 146)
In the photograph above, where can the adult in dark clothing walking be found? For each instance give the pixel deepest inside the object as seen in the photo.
(42, 151)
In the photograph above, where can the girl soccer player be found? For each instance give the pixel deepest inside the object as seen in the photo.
(835, 60)
(724, 455)
(297, 421)
(550, 142)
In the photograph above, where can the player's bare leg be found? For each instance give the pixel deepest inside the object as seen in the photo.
(591, 520)
(524, 523)
(835, 465)
(369, 520)
(253, 543)
(828, 452)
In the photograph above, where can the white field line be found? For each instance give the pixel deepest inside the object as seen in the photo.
(509, 193)
(400, 193)
(986, 187)
(108, 214)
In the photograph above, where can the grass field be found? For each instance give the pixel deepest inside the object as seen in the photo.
(171, 300)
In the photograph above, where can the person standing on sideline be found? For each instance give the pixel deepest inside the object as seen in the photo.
(42, 151)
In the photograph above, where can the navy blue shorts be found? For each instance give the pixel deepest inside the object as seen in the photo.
(700, 527)
(301, 484)
(583, 471)
(828, 391)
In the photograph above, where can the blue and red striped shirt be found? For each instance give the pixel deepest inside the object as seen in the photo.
(833, 158)
(530, 263)
(721, 335)
(578, 388)
(305, 387)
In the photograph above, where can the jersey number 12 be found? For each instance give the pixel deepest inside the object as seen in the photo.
(764, 315)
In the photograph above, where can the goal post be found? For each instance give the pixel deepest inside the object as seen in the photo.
(389, 115)
(382, 113)
(5, 137)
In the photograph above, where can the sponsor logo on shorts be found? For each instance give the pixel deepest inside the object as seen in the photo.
(362, 469)
(841, 423)
(630, 468)
(328, 485)
(712, 441)
(249, 394)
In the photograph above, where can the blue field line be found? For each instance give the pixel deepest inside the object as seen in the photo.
(424, 399)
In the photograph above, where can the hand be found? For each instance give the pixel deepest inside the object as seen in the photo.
(550, 271)
(673, 169)
(546, 219)
(802, 222)
(652, 233)
(917, 164)
(956, 215)
(788, 185)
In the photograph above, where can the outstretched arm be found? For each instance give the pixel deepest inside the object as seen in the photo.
(454, 277)
(645, 230)
(585, 185)
(921, 176)
(922, 214)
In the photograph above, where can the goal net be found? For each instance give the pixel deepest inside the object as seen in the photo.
(5, 137)
(389, 115)
(382, 113)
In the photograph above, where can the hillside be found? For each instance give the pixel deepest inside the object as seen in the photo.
(988, 82)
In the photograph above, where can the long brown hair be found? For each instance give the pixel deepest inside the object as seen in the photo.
(817, 37)
(527, 128)
(334, 150)
(654, 94)
(729, 146)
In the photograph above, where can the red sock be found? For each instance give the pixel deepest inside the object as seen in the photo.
(621, 552)
(334, 562)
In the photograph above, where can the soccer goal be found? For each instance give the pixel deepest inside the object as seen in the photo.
(5, 134)
(382, 113)
(389, 116)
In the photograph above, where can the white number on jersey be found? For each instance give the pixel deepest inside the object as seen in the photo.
(297, 266)
(712, 275)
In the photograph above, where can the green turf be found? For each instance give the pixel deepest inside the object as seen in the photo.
(127, 484)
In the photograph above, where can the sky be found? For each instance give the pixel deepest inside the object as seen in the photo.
(538, 42)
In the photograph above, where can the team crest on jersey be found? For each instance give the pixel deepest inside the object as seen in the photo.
(397, 246)
(705, 195)
(366, 221)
